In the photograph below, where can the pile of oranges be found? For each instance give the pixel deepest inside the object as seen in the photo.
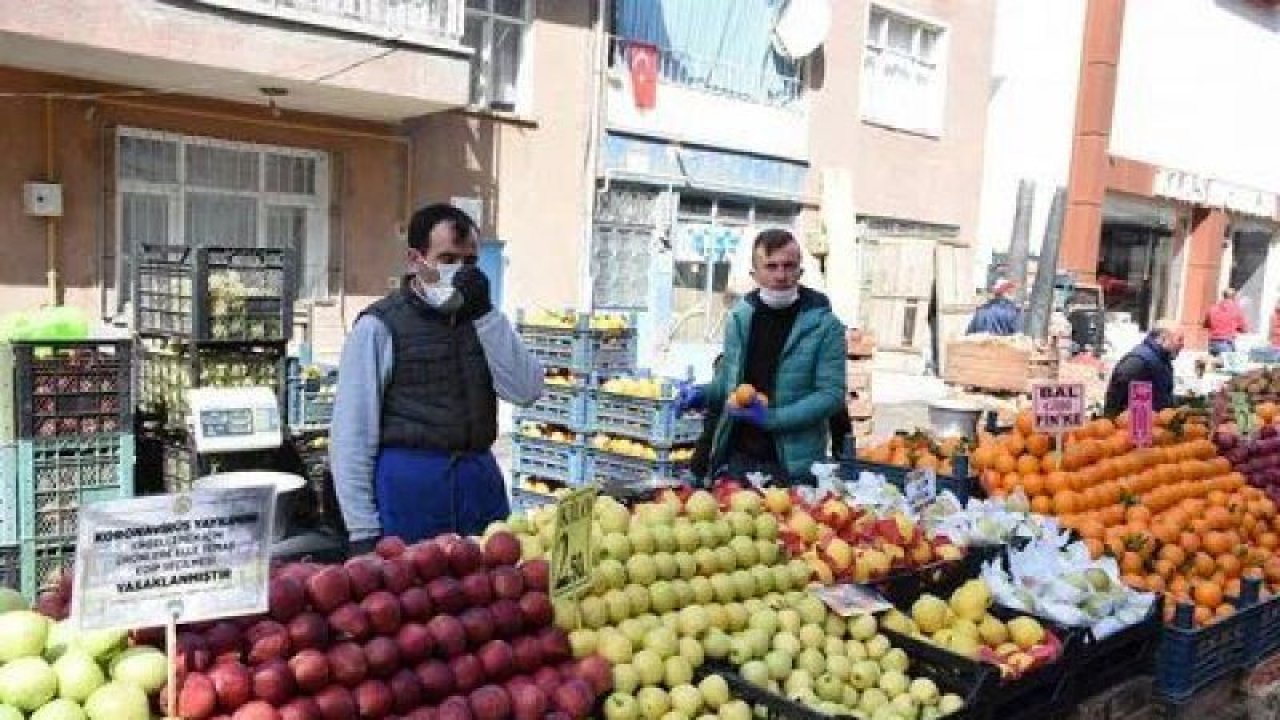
(1175, 516)
(917, 451)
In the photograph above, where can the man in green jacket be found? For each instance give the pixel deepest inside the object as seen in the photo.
(783, 340)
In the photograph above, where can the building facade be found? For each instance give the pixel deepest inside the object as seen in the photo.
(1134, 107)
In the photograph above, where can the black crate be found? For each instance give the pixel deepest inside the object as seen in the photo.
(167, 369)
(1125, 654)
(73, 388)
(236, 294)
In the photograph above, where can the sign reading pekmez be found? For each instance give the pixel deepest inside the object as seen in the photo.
(194, 557)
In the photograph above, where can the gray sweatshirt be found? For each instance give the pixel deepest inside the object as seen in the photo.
(363, 376)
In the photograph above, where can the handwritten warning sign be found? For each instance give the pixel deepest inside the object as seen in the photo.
(571, 559)
(1058, 407)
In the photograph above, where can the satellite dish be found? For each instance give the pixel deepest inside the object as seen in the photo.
(802, 27)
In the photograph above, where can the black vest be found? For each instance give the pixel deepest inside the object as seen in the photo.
(441, 393)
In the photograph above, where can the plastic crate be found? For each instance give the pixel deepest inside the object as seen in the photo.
(523, 500)
(168, 369)
(654, 421)
(57, 477)
(11, 567)
(181, 466)
(564, 405)
(536, 457)
(215, 293)
(310, 399)
(1264, 640)
(960, 483)
(965, 682)
(614, 470)
(42, 562)
(73, 388)
(1124, 654)
(1190, 658)
(581, 349)
(8, 494)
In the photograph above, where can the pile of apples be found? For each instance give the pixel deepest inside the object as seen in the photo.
(637, 448)
(671, 579)
(963, 624)
(547, 431)
(844, 543)
(796, 646)
(647, 388)
(445, 629)
(49, 671)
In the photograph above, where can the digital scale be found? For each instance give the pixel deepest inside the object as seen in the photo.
(247, 422)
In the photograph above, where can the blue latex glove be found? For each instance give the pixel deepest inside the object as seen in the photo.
(690, 397)
(755, 413)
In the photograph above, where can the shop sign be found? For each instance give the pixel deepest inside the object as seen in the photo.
(1141, 413)
(572, 563)
(1058, 407)
(142, 562)
(1198, 190)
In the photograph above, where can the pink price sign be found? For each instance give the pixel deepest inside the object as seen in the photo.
(1141, 413)
(1058, 407)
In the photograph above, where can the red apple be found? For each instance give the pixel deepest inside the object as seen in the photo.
(428, 561)
(478, 589)
(365, 573)
(598, 672)
(398, 575)
(574, 698)
(373, 699)
(436, 678)
(478, 624)
(287, 598)
(507, 618)
(446, 595)
(383, 610)
(390, 547)
(508, 583)
(529, 702)
(547, 677)
(303, 708)
(537, 574)
(232, 683)
(329, 589)
(415, 604)
(273, 683)
(310, 670)
(464, 556)
(497, 659)
(382, 656)
(268, 640)
(406, 689)
(224, 638)
(536, 609)
(347, 664)
(455, 708)
(336, 703)
(256, 710)
(555, 645)
(414, 642)
(502, 548)
(197, 699)
(468, 672)
(308, 630)
(193, 652)
(527, 654)
(448, 634)
(351, 621)
(490, 703)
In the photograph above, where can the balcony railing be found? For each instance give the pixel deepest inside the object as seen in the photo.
(763, 85)
(415, 22)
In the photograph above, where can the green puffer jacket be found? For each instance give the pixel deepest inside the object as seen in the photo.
(808, 390)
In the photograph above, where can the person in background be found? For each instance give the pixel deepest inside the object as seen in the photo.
(416, 410)
(999, 315)
(1275, 328)
(1151, 361)
(1225, 321)
(784, 340)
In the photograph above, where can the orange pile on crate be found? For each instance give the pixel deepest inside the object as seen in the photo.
(1175, 516)
(917, 450)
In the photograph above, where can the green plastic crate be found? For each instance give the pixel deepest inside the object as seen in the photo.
(8, 495)
(11, 567)
(56, 477)
(42, 562)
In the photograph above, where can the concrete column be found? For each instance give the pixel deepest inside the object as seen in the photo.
(1204, 262)
(1095, 104)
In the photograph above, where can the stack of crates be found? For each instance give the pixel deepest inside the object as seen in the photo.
(67, 442)
(207, 316)
(584, 429)
(860, 349)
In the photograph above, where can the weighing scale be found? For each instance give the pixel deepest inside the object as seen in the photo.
(233, 421)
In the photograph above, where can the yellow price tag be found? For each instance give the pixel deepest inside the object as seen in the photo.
(572, 562)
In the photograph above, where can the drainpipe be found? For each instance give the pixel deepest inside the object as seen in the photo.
(586, 284)
(1095, 106)
(51, 240)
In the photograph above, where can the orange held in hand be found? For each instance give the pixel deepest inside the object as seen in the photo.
(742, 396)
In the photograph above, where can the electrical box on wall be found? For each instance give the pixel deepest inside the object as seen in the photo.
(42, 199)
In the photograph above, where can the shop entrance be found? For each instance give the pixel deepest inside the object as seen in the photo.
(1134, 270)
(1249, 248)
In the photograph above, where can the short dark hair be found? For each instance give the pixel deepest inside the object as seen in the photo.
(426, 220)
(773, 240)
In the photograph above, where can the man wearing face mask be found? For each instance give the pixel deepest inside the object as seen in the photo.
(416, 409)
(783, 340)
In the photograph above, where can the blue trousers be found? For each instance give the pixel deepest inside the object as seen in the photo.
(423, 493)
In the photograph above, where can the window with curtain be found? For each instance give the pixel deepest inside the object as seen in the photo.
(720, 46)
(498, 30)
(184, 190)
(903, 78)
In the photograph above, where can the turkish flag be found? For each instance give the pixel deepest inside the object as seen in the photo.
(643, 60)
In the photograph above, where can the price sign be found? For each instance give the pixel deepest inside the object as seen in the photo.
(850, 600)
(1141, 413)
(1058, 407)
(571, 558)
(920, 488)
(1242, 409)
(179, 558)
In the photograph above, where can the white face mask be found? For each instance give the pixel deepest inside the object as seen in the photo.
(441, 293)
(779, 298)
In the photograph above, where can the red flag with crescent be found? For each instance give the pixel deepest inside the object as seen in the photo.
(643, 60)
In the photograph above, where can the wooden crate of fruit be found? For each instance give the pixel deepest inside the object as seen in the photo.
(996, 364)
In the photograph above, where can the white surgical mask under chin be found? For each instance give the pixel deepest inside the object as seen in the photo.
(779, 298)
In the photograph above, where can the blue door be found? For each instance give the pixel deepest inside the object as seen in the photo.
(494, 265)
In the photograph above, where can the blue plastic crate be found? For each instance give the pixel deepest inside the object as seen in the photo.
(8, 495)
(311, 398)
(1264, 639)
(581, 349)
(57, 477)
(654, 421)
(546, 459)
(564, 405)
(1189, 658)
(11, 567)
(613, 470)
(523, 500)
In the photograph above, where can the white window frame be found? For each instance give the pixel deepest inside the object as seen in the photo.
(317, 206)
(934, 119)
(483, 56)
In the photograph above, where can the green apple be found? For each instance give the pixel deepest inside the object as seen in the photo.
(568, 614)
(787, 643)
(895, 659)
(707, 535)
(723, 530)
(924, 690)
(677, 671)
(863, 627)
(835, 626)
(744, 583)
(686, 699)
(632, 628)
(779, 663)
(851, 697)
(950, 703)
(735, 710)
(789, 620)
(649, 621)
(594, 612)
(664, 538)
(760, 641)
(665, 562)
(671, 620)
(614, 646)
(744, 548)
(905, 705)
(625, 678)
(741, 650)
(619, 605)
(717, 644)
(829, 687)
(727, 559)
(877, 646)
(686, 536)
(708, 562)
(800, 572)
(724, 588)
(693, 651)
(583, 642)
(654, 702)
(715, 691)
(662, 597)
(742, 524)
(864, 674)
(855, 650)
(872, 700)
(662, 641)
(694, 621)
(701, 505)
(781, 578)
(638, 597)
(763, 577)
(840, 666)
(610, 574)
(833, 647)
(767, 552)
(766, 621)
(684, 592)
(812, 661)
(893, 683)
(766, 527)
(796, 680)
(642, 541)
(812, 610)
(649, 667)
(616, 546)
(641, 569)
(755, 672)
(717, 615)
(621, 706)
(738, 616)
(811, 636)
(686, 566)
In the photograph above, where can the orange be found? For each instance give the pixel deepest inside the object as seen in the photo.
(1207, 594)
(1028, 464)
(1040, 504)
(1039, 444)
(1064, 502)
(1025, 423)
